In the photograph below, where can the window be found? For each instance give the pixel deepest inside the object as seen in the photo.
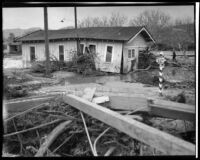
(32, 53)
(81, 48)
(109, 51)
(4, 46)
(61, 53)
(131, 53)
(92, 48)
(86, 50)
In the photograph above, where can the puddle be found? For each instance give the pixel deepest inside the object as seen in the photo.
(143, 77)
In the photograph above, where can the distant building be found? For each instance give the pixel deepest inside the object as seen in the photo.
(10, 46)
(117, 48)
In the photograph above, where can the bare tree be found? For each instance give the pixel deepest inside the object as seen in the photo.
(154, 20)
(185, 20)
(116, 19)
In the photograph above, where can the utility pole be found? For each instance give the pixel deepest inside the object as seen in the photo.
(75, 18)
(46, 42)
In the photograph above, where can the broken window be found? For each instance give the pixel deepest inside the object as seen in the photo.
(92, 48)
(61, 53)
(32, 53)
(109, 53)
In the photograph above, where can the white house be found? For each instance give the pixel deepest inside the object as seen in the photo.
(117, 48)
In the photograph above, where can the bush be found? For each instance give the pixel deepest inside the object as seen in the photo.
(83, 64)
(145, 59)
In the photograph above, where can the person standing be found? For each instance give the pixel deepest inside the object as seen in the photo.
(174, 55)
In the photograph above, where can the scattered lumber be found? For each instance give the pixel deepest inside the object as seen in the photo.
(162, 141)
(155, 107)
(52, 136)
(171, 109)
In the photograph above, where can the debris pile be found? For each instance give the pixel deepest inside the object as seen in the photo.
(73, 141)
(56, 129)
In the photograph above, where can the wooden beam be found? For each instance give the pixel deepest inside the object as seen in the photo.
(162, 108)
(142, 132)
(172, 109)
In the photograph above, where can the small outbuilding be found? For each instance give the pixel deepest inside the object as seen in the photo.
(117, 48)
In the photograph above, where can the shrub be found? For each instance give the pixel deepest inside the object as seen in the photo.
(145, 59)
(83, 64)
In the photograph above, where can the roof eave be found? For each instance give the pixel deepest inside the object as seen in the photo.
(142, 29)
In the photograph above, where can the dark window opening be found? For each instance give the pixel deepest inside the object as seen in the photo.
(109, 53)
(61, 53)
(4, 46)
(81, 48)
(92, 48)
(32, 54)
(133, 53)
(129, 53)
(86, 50)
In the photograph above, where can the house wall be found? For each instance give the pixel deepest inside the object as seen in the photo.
(136, 43)
(70, 46)
(101, 46)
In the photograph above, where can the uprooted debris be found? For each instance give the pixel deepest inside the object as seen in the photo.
(73, 141)
(38, 133)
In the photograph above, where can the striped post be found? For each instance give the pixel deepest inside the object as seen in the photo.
(161, 79)
(161, 61)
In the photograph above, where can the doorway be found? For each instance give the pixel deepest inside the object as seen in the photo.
(122, 64)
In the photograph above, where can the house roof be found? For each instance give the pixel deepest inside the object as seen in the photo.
(103, 33)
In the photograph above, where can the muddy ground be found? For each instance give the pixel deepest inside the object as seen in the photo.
(177, 80)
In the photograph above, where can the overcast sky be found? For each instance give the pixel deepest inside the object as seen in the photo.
(33, 17)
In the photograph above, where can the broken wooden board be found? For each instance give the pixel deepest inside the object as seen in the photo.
(172, 110)
(99, 100)
(89, 93)
(126, 103)
(22, 104)
(162, 141)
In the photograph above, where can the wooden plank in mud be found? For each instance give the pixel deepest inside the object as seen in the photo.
(172, 110)
(160, 140)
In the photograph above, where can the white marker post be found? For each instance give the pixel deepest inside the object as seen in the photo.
(161, 61)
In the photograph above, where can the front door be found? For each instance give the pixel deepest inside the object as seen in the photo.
(32, 53)
(132, 59)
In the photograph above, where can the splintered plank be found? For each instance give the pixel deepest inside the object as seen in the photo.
(162, 141)
(172, 110)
